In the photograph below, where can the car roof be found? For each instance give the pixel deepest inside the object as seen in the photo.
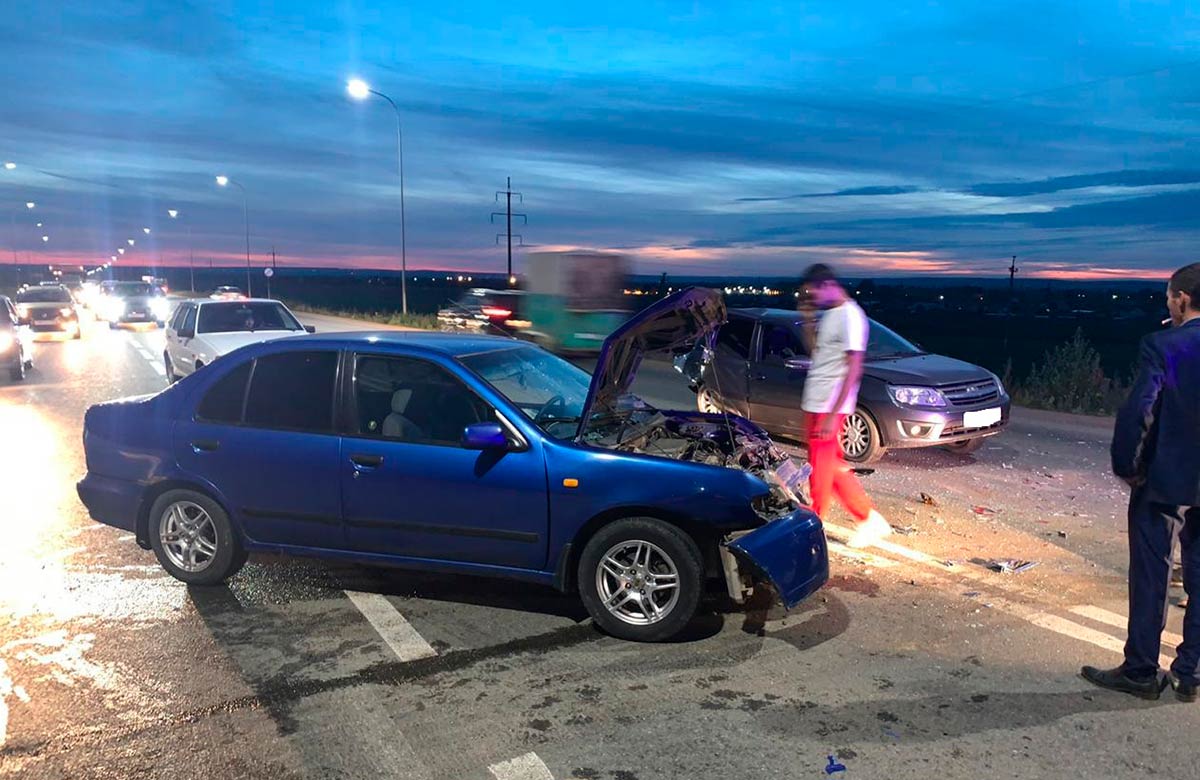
(228, 302)
(449, 344)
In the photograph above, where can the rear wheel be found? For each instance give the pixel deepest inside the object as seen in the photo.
(172, 377)
(860, 438)
(193, 539)
(641, 579)
(966, 447)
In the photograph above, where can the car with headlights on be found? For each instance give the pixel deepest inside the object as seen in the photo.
(132, 302)
(49, 309)
(462, 453)
(16, 341)
(909, 398)
(200, 331)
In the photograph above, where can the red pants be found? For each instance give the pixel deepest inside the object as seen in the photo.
(831, 477)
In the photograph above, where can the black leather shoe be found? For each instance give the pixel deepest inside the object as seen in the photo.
(1184, 691)
(1115, 680)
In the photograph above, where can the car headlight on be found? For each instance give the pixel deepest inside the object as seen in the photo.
(917, 396)
(160, 308)
(115, 308)
(66, 311)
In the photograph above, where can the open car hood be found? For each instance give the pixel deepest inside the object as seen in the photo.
(677, 323)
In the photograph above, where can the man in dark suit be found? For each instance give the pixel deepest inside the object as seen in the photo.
(1156, 449)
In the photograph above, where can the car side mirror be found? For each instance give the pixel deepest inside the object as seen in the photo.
(484, 436)
(310, 328)
(798, 363)
(187, 334)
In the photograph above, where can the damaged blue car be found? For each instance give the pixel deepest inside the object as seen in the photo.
(463, 454)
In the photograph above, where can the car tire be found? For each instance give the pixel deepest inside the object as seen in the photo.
(188, 516)
(705, 401)
(172, 377)
(860, 439)
(967, 447)
(669, 551)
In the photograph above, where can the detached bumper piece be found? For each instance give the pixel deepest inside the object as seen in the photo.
(790, 553)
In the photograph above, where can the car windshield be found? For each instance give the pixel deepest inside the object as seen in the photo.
(235, 317)
(44, 295)
(547, 389)
(130, 289)
(885, 342)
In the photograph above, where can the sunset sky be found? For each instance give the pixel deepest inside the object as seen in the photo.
(738, 138)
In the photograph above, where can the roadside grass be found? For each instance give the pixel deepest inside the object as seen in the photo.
(410, 320)
(1069, 379)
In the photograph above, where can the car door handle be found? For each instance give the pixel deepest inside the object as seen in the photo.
(205, 445)
(366, 461)
(760, 377)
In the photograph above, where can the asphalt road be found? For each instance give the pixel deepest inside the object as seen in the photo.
(915, 661)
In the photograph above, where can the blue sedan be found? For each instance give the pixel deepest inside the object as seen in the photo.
(465, 454)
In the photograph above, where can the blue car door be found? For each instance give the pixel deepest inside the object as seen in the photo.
(263, 436)
(410, 489)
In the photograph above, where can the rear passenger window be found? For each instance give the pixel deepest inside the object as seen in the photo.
(223, 401)
(293, 391)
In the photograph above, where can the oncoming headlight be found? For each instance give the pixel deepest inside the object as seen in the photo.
(161, 308)
(917, 396)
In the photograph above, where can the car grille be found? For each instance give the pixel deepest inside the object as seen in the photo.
(971, 393)
(955, 429)
(45, 314)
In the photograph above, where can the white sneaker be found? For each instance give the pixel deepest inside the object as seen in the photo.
(870, 531)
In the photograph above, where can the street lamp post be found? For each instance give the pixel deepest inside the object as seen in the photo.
(360, 90)
(174, 214)
(224, 181)
(12, 225)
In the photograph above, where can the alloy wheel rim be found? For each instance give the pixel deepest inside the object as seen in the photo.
(706, 403)
(856, 436)
(188, 536)
(638, 583)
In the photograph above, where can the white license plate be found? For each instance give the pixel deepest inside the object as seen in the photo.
(981, 419)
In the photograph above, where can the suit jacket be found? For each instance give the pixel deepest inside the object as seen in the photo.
(1157, 438)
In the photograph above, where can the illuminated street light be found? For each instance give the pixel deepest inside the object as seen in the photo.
(8, 166)
(146, 231)
(172, 213)
(29, 204)
(360, 90)
(45, 239)
(120, 250)
(130, 240)
(112, 258)
(225, 181)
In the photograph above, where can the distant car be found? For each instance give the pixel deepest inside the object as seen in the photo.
(49, 309)
(227, 293)
(909, 398)
(128, 302)
(201, 331)
(16, 341)
(463, 454)
(490, 312)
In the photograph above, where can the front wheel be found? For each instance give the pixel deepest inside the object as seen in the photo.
(193, 539)
(641, 579)
(860, 439)
(705, 401)
(966, 447)
(172, 377)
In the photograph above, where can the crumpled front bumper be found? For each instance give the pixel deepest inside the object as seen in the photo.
(790, 553)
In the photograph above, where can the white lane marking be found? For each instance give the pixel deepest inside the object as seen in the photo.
(860, 555)
(1119, 621)
(895, 549)
(526, 767)
(1084, 634)
(399, 634)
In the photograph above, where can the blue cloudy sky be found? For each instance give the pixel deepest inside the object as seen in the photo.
(887, 137)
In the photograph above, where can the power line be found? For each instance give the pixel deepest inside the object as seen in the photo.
(508, 214)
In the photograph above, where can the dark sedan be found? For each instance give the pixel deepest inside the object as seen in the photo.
(127, 302)
(49, 309)
(909, 398)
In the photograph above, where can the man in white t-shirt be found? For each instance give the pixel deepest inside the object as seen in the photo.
(837, 345)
